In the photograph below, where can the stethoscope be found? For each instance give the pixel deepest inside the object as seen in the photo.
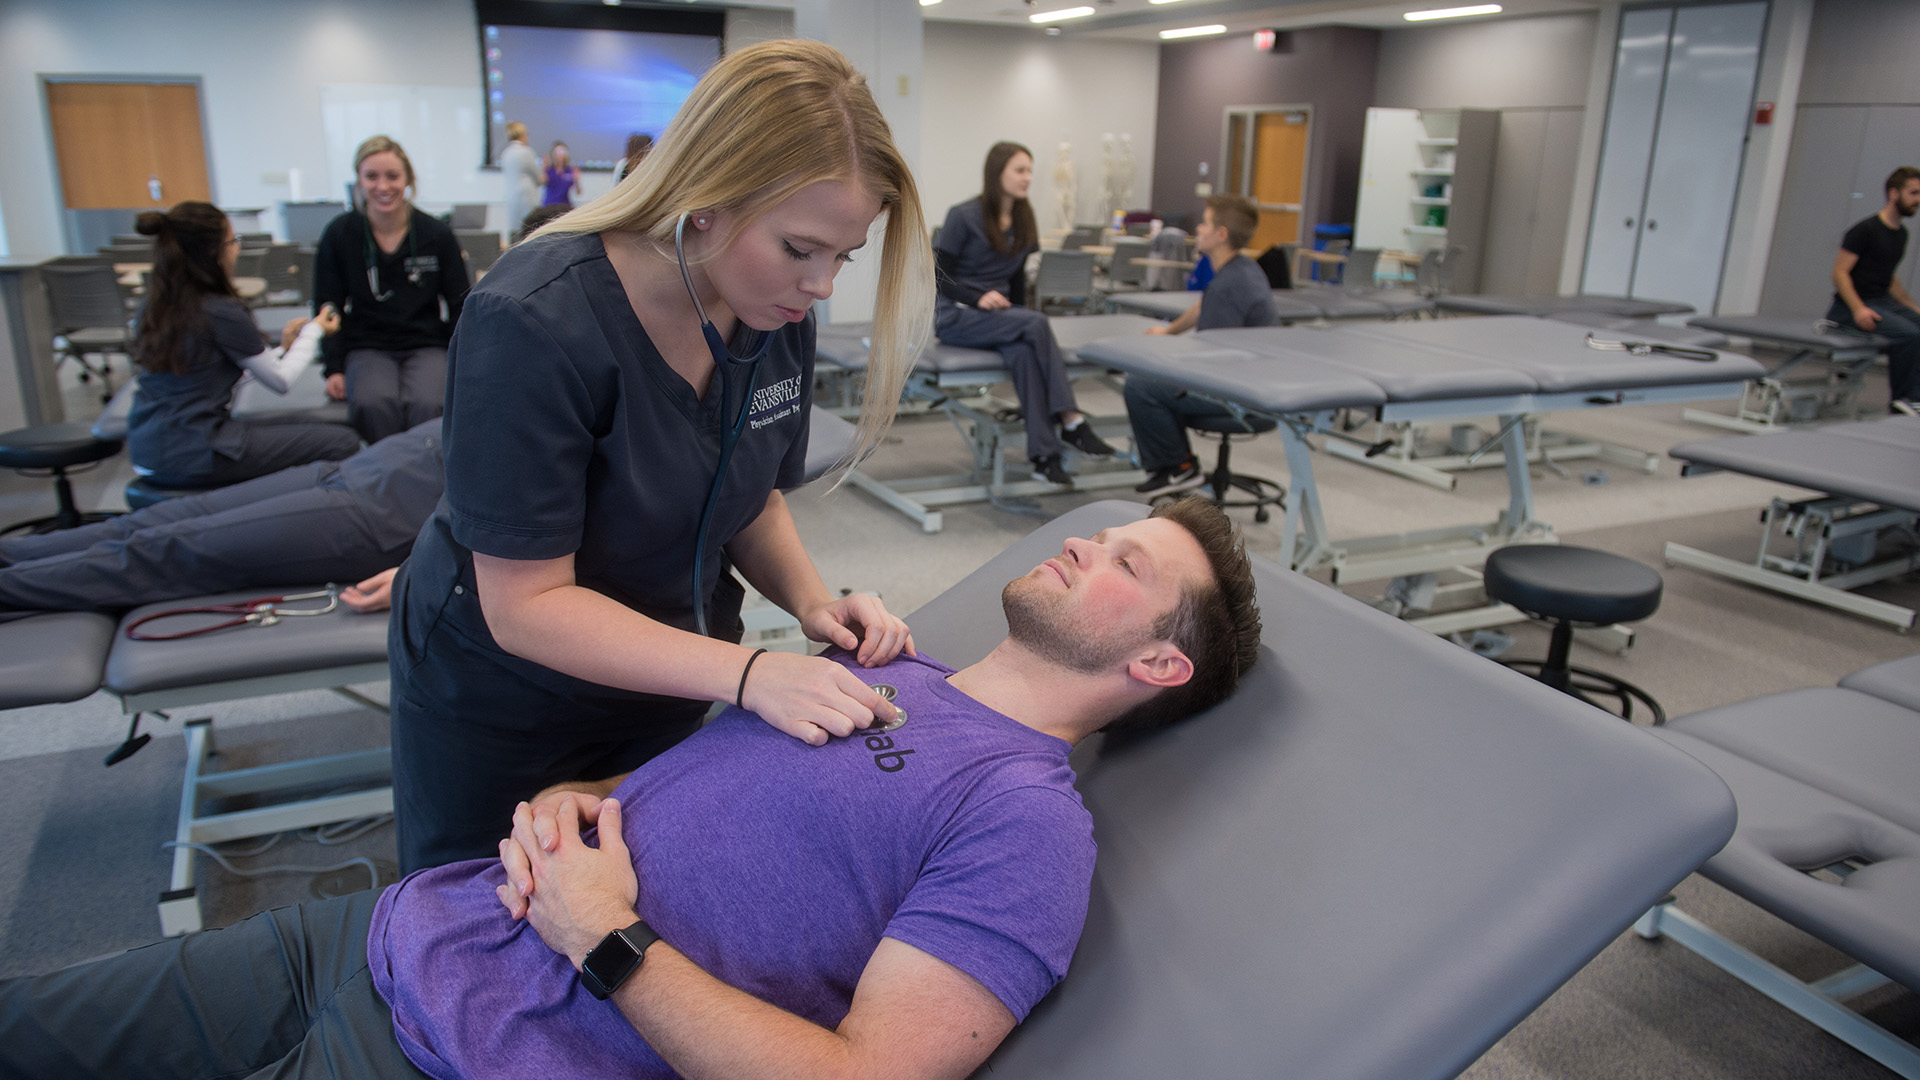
(373, 263)
(726, 362)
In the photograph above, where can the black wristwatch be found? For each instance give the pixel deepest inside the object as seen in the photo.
(615, 959)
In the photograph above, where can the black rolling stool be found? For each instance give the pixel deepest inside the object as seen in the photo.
(1575, 586)
(55, 448)
(1261, 493)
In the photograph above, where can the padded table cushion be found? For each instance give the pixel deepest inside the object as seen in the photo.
(1378, 824)
(1405, 372)
(1273, 384)
(1572, 583)
(1625, 328)
(338, 639)
(1850, 744)
(1837, 459)
(1787, 827)
(1163, 305)
(1504, 304)
(829, 441)
(1799, 333)
(1897, 681)
(52, 657)
(1557, 356)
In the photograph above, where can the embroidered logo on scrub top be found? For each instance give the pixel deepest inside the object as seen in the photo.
(774, 403)
(418, 265)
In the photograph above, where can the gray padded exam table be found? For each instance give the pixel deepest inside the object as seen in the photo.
(1291, 305)
(1415, 372)
(957, 381)
(1838, 359)
(1374, 860)
(1870, 472)
(1500, 304)
(1828, 840)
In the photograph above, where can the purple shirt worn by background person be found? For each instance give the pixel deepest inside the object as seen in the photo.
(777, 867)
(559, 187)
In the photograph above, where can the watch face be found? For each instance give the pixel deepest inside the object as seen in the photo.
(608, 965)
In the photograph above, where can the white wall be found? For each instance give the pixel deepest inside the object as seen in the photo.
(1501, 64)
(984, 84)
(261, 67)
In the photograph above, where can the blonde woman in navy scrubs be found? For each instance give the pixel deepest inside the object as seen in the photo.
(545, 627)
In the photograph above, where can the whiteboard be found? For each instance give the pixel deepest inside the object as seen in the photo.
(440, 127)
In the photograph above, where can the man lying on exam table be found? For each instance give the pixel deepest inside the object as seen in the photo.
(895, 901)
(340, 521)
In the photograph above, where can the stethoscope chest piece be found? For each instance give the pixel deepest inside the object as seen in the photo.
(899, 714)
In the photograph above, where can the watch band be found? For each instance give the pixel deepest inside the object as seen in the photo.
(616, 958)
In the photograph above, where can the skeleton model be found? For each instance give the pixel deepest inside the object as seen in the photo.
(1064, 188)
(1119, 169)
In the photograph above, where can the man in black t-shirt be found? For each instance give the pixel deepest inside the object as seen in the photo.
(1867, 296)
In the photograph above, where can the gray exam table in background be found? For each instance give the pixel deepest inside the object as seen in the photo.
(1372, 861)
(1501, 304)
(1837, 359)
(1869, 472)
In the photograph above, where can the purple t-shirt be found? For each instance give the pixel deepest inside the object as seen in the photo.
(777, 867)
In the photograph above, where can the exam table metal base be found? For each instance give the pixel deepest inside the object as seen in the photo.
(1777, 402)
(1819, 1002)
(1810, 572)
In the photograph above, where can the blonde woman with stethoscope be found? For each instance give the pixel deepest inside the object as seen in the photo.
(628, 394)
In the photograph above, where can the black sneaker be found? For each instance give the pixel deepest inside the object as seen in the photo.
(1048, 469)
(1084, 440)
(1167, 481)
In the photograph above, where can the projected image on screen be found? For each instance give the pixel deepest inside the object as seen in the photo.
(589, 89)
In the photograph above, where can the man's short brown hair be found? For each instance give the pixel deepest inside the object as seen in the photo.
(1901, 177)
(1237, 215)
(1216, 624)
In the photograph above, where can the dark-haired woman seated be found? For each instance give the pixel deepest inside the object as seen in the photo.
(195, 341)
(982, 251)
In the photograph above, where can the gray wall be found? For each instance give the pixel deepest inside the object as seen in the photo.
(1331, 69)
(1858, 118)
(1534, 72)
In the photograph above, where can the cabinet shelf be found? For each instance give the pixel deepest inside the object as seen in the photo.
(1433, 172)
(1438, 142)
(1430, 200)
(1427, 230)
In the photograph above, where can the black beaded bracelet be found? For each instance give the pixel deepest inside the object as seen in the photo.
(740, 695)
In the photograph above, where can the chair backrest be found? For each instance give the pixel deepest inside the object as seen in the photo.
(469, 216)
(480, 249)
(305, 221)
(1357, 275)
(84, 298)
(1080, 237)
(254, 239)
(1170, 244)
(251, 262)
(1139, 228)
(129, 252)
(1125, 268)
(1277, 263)
(1065, 274)
(287, 269)
(1434, 276)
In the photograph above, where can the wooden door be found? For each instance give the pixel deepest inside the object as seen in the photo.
(128, 145)
(1279, 176)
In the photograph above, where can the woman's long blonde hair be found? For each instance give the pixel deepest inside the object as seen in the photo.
(764, 123)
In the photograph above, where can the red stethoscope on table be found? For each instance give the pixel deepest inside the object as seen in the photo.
(261, 611)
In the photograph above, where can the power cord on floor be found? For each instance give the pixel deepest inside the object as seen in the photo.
(327, 881)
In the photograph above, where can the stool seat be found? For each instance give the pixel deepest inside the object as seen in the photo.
(54, 446)
(1229, 425)
(142, 492)
(1573, 584)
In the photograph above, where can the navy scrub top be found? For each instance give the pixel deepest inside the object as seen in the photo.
(567, 432)
(180, 422)
(976, 265)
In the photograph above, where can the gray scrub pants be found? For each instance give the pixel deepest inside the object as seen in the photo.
(268, 448)
(286, 993)
(278, 530)
(1159, 412)
(1034, 362)
(389, 391)
(1901, 326)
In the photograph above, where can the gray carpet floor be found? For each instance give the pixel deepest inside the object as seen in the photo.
(81, 864)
